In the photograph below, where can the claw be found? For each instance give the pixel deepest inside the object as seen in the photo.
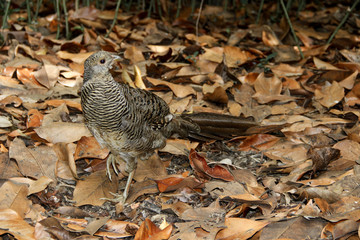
(113, 163)
(108, 161)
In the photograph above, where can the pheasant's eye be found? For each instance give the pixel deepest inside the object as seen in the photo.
(102, 61)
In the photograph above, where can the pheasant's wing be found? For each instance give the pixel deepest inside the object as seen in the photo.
(153, 110)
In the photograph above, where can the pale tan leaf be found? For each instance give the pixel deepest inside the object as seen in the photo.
(39, 185)
(66, 132)
(14, 196)
(93, 188)
(330, 94)
(138, 80)
(240, 228)
(15, 225)
(323, 65)
(33, 162)
(179, 146)
(75, 57)
(234, 56)
(65, 166)
(134, 54)
(179, 90)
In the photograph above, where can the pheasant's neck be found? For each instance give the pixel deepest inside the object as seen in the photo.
(87, 74)
(97, 77)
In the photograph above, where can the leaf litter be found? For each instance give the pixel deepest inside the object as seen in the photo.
(288, 170)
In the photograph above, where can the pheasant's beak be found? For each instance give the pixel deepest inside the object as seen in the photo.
(116, 57)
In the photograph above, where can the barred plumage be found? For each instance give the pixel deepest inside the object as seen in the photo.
(132, 123)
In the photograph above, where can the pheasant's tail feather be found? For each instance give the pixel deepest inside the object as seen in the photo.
(221, 126)
(184, 127)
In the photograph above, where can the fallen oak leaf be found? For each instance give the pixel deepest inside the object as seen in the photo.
(321, 157)
(62, 132)
(88, 147)
(34, 118)
(173, 183)
(199, 164)
(164, 183)
(179, 90)
(258, 142)
(11, 222)
(148, 230)
(58, 102)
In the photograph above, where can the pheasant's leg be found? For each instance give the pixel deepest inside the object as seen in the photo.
(130, 168)
(122, 198)
(128, 183)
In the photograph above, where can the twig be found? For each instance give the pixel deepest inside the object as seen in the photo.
(4, 22)
(67, 32)
(288, 4)
(301, 6)
(129, 6)
(178, 9)
(197, 22)
(115, 18)
(159, 9)
(28, 11)
(259, 12)
(151, 6)
(291, 28)
(103, 4)
(342, 21)
(38, 4)
(58, 18)
(193, 4)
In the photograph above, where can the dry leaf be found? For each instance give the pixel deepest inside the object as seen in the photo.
(179, 90)
(15, 225)
(66, 132)
(330, 94)
(94, 188)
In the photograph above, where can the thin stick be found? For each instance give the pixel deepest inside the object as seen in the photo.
(150, 8)
(342, 22)
(259, 12)
(58, 18)
(178, 9)
(193, 4)
(4, 22)
(28, 11)
(103, 4)
(291, 27)
(38, 4)
(129, 6)
(159, 9)
(115, 18)
(197, 22)
(67, 32)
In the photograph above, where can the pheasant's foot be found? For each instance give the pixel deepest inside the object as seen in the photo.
(122, 198)
(119, 198)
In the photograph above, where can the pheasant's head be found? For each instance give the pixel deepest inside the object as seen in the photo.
(102, 59)
(99, 62)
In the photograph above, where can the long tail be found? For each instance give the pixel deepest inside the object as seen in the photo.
(205, 126)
